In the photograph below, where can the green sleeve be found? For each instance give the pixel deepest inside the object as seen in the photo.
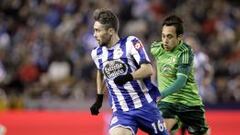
(180, 82)
(177, 85)
(155, 48)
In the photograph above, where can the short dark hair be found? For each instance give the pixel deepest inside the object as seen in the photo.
(107, 18)
(175, 21)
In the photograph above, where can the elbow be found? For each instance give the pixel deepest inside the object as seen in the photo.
(149, 70)
(145, 70)
(182, 81)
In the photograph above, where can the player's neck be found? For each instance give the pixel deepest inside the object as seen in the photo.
(115, 38)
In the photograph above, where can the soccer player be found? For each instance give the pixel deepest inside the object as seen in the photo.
(125, 68)
(203, 70)
(180, 99)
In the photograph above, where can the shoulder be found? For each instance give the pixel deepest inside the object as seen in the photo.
(133, 39)
(130, 38)
(185, 48)
(185, 53)
(95, 52)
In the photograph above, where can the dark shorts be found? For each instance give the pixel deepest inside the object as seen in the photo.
(192, 117)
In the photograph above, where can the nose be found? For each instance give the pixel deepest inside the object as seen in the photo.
(95, 35)
(165, 41)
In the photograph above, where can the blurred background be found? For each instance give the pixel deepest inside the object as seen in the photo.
(46, 67)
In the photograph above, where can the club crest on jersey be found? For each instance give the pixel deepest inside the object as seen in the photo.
(118, 52)
(137, 45)
(114, 68)
(166, 70)
(173, 60)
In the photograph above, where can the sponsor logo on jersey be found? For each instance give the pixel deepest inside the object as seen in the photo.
(114, 68)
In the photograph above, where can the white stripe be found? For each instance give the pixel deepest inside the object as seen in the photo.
(132, 50)
(105, 54)
(145, 91)
(94, 57)
(135, 98)
(119, 95)
(148, 97)
(116, 91)
(114, 106)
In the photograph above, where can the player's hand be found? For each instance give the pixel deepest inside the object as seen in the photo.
(122, 79)
(97, 105)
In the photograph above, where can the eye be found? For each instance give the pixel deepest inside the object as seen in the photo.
(169, 36)
(97, 31)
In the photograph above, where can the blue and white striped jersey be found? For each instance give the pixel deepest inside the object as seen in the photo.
(124, 57)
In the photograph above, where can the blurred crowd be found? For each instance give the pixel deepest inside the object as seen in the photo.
(45, 45)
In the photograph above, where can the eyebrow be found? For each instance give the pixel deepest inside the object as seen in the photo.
(167, 34)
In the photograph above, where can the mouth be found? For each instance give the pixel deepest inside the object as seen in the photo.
(98, 40)
(165, 46)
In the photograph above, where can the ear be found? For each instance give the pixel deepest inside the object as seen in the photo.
(180, 37)
(111, 31)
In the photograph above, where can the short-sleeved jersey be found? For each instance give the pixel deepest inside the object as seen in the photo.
(169, 65)
(124, 57)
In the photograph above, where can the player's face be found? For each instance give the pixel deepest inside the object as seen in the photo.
(169, 37)
(101, 34)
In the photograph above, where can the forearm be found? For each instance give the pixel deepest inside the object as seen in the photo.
(100, 83)
(144, 71)
(100, 91)
(178, 84)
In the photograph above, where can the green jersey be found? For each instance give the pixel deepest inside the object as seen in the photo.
(168, 63)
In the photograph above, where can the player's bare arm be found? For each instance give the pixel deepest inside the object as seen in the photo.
(100, 93)
(144, 71)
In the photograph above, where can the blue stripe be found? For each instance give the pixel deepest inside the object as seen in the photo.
(135, 63)
(99, 52)
(134, 83)
(110, 55)
(114, 98)
(110, 90)
(123, 91)
(140, 51)
(138, 89)
(152, 89)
